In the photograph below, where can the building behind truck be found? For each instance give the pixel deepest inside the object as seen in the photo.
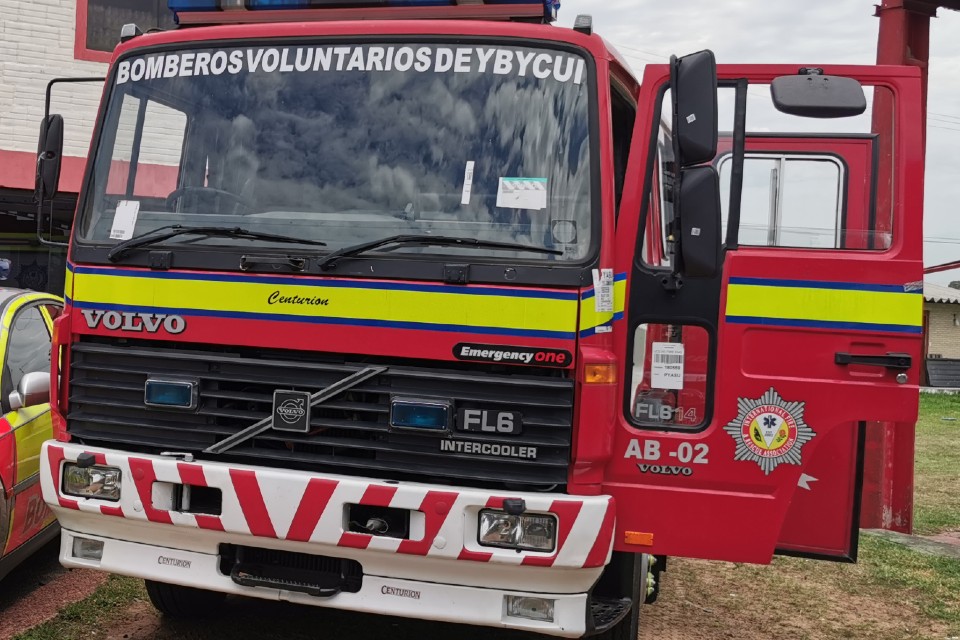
(41, 40)
(434, 309)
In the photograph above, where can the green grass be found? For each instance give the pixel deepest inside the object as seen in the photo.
(79, 619)
(931, 582)
(937, 472)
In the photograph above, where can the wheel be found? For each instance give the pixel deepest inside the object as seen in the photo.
(175, 601)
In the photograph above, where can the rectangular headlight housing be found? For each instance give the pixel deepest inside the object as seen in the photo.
(420, 415)
(171, 394)
(87, 549)
(528, 532)
(99, 482)
(530, 608)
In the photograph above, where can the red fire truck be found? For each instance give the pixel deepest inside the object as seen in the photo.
(433, 309)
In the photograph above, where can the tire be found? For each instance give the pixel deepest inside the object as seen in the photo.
(175, 601)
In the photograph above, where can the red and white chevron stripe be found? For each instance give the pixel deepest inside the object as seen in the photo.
(303, 507)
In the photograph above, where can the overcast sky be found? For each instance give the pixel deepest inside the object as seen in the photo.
(809, 32)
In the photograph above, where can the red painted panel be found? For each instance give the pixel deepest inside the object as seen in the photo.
(820, 520)
(18, 170)
(8, 458)
(729, 506)
(405, 343)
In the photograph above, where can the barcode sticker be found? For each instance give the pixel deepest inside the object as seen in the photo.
(603, 290)
(666, 371)
(468, 183)
(125, 220)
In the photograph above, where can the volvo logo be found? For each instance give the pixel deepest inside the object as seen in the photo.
(291, 411)
(135, 322)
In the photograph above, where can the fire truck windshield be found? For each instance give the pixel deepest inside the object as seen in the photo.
(348, 144)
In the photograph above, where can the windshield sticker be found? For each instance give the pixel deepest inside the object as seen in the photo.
(125, 220)
(522, 193)
(468, 183)
(504, 62)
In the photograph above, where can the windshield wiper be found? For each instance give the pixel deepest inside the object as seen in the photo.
(330, 261)
(174, 230)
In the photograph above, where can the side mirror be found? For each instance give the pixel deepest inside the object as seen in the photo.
(814, 95)
(693, 83)
(700, 223)
(33, 390)
(49, 157)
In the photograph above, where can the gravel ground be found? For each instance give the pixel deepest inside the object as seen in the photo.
(36, 590)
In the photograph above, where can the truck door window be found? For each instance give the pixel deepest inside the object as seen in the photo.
(788, 201)
(623, 117)
(669, 375)
(800, 190)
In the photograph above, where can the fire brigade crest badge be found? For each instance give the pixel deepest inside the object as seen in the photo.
(769, 431)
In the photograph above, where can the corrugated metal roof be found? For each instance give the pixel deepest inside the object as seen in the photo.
(939, 293)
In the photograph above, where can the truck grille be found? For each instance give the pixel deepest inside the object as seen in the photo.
(350, 434)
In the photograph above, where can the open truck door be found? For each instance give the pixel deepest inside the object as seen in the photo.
(748, 388)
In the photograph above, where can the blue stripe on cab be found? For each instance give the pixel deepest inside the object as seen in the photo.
(825, 324)
(818, 284)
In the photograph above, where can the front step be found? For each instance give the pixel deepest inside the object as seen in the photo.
(607, 612)
(318, 576)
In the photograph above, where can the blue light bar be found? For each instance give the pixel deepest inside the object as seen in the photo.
(550, 7)
(180, 6)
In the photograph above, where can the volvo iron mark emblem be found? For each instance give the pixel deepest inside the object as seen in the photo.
(291, 411)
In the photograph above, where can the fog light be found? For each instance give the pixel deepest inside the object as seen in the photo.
(98, 482)
(527, 532)
(540, 609)
(88, 549)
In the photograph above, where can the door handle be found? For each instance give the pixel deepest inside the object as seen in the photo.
(899, 361)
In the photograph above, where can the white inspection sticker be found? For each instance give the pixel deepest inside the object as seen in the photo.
(468, 183)
(522, 193)
(125, 220)
(666, 371)
(603, 290)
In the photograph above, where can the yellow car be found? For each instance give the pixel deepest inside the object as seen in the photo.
(26, 327)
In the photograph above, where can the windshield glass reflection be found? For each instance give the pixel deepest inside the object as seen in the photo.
(349, 144)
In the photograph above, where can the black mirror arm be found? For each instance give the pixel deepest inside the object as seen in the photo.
(674, 282)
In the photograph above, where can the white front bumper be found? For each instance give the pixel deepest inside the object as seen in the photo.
(456, 579)
(421, 600)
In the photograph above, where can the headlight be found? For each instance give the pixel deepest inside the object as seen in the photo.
(528, 532)
(98, 482)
